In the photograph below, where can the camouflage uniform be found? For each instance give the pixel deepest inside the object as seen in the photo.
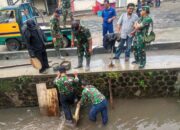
(99, 103)
(66, 10)
(90, 93)
(66, 86)
(139, 45)
(83, 36)
(56, 33)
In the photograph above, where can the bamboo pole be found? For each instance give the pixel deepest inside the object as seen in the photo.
(111, 94)
(11, 66)
(18, 65)
(111, 65)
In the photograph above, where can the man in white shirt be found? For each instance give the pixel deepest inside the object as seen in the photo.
(125, 27)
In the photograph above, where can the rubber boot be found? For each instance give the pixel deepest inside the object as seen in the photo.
(80, 61)
(142, 60)
(58, 53)
(88, 59)
(61, 57)
(136, 57)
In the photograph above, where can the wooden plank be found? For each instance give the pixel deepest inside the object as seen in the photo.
(77, 112)
(52, 102)
(42, 97)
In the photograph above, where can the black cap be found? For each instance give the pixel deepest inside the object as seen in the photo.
(62, 69)
(58, 11)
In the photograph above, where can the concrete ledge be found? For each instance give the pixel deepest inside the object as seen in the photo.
(90, 12)
(96, 50)
(156, 60)
(165, 45)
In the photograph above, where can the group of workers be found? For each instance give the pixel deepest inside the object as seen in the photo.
(82, 34)
(67, 87)
(130, 27)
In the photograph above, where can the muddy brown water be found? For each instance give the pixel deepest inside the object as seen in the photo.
(129, 114)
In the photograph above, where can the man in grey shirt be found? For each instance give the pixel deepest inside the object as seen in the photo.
(125, 27)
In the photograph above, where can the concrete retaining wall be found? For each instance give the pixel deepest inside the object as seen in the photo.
(21, 91)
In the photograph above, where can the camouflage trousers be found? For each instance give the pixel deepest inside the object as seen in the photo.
(83, 51)
(57, 45)
(139, 51)
(59, 42)
(66, 13)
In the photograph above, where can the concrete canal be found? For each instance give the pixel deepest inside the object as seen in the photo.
(129, 114)
(146, 99)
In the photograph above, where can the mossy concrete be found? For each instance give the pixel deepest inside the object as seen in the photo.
(21, 91)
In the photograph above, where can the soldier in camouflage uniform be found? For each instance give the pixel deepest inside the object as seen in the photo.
(56, 32)
(66, 87)
(84, 43)
(141, 27)
(98, 100)
(66, 10)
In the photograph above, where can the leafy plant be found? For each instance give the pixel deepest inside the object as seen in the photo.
(113, 75)
(24, 79)
(142, 84)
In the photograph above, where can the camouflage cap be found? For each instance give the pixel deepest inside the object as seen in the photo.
(75, 25)
(146, 8)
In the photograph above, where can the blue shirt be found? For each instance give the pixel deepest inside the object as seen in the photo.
(108, 13)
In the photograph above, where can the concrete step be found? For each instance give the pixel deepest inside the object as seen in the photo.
(156, 60)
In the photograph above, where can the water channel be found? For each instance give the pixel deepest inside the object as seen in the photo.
(129, 114)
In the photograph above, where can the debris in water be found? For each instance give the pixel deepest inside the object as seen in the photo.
(20, 119)
(28, 110)
(137, 93)
(2, 123)
(178, 101)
